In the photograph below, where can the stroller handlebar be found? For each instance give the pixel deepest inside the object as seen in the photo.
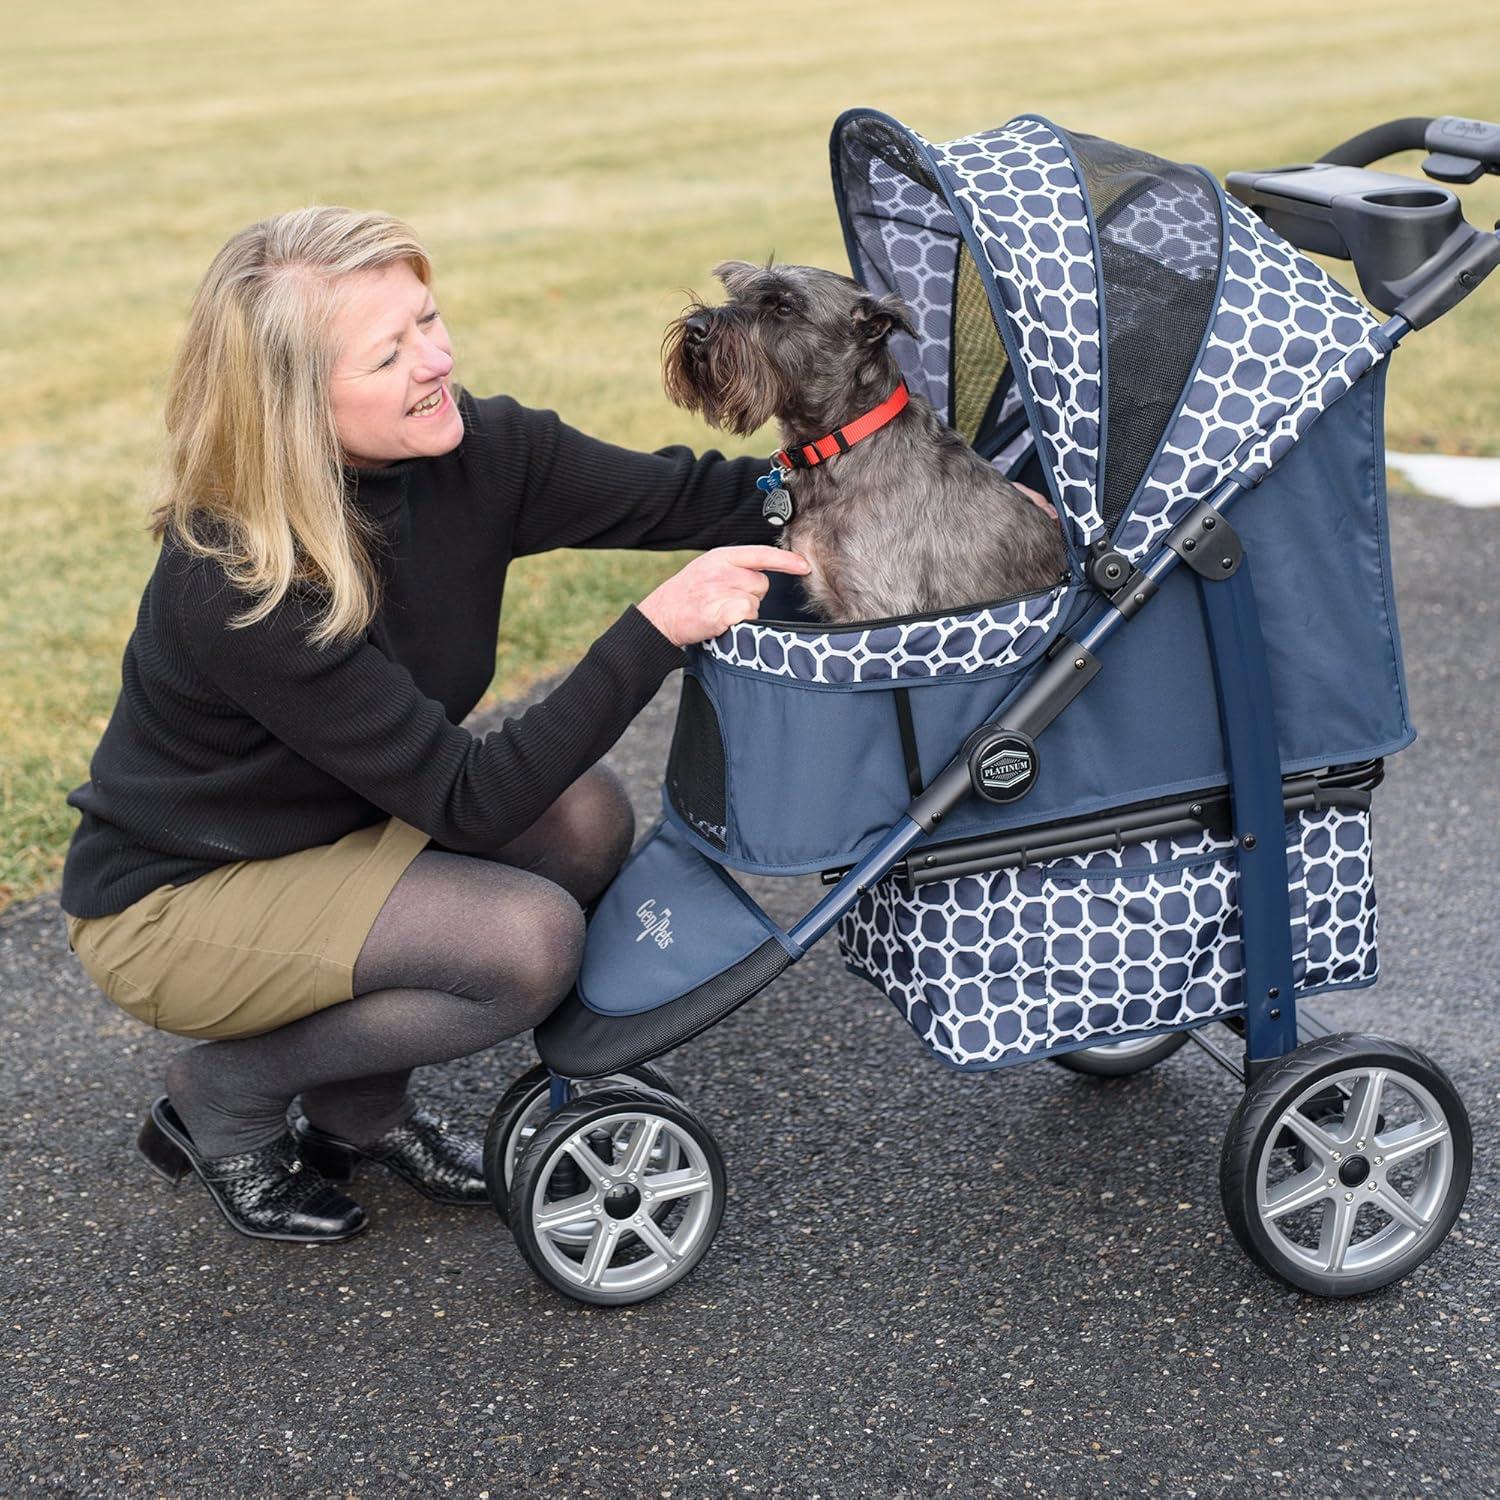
(1460, 150)
(1414, 252)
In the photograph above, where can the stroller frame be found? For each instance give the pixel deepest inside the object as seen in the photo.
(647, 1146)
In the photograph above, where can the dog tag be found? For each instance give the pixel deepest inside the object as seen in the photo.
(777, 507)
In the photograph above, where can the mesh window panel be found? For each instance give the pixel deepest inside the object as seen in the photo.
(869, 138)
(695, 766)
(1159, 247)
(978, 354)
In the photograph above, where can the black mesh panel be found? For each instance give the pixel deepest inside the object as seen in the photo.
(695, 766)
(1159, 247)
(869, 137)
(859, 148)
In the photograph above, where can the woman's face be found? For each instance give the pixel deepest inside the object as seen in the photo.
(392, 358)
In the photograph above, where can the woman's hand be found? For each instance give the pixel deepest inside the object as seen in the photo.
(715, 591)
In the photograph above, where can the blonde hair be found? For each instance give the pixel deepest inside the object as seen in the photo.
(251, 443)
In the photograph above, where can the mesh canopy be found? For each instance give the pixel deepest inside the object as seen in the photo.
(1157, 230)
(1110, 308)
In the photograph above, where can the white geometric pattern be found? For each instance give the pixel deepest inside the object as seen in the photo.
(923, 265)
(921, 242)
(995, 968)
(1334, 888)
(1025, 204)
(931, 646)
(897, 196)
(1008, 458)
(1286, 341)
(1262, 453)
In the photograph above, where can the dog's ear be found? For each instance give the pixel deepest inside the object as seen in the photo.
(876, 320)
(734, 274)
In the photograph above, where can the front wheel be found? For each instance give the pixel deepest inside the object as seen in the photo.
(524, 1108)
(1346, 1164)
(618, 1196)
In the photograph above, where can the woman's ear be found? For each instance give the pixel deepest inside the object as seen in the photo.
(877, 319)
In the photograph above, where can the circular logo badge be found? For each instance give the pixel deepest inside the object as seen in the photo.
(1004, 766)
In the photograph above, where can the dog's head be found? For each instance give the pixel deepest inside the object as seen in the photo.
(792, 342)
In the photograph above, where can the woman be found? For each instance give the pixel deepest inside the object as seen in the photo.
(290, 849)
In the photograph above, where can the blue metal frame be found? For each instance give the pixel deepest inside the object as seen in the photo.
(874, 866)
(1246, 715)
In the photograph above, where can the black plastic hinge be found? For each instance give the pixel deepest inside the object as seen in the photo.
(1107, 569)
(1207, 543)
(1110, 572)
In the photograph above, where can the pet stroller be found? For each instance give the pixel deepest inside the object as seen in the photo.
(1189, 840)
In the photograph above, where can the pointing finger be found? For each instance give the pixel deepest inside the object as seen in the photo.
(772, 559)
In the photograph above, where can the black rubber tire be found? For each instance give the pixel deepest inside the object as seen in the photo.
(1259, 1113)
(532, 1169)
(514, 1103)
(1098, 1063)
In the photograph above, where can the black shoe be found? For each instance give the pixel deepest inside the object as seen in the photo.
(422, 1152)
(268, 1193)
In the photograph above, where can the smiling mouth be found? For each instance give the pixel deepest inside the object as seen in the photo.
(429, 404)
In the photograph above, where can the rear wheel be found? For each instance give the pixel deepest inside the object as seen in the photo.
(1346, 1164)
(1120, 1059)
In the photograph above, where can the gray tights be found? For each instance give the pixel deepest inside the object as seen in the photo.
(466, 952)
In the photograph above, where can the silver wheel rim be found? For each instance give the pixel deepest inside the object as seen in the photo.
(1132, 1047)
(599, 1248)
(538, 1111)
(1368, 1193)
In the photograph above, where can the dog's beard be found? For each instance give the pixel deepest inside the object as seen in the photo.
(727, 378)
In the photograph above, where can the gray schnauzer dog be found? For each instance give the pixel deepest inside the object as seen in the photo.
(907, 519)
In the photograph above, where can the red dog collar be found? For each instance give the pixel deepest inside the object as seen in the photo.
(810, 455)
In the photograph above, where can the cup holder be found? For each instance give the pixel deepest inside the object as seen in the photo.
(1417, 197)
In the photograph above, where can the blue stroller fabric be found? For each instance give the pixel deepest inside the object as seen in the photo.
(996, 968)
(802, 720)
(670, 921)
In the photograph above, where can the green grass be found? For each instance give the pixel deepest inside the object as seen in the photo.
(571, 168)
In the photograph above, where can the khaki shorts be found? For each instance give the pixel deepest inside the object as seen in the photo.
(250, 946)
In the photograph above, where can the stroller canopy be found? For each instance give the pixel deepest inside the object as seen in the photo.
(1147, 334)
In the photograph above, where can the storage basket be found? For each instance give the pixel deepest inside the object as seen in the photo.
(1012, 964)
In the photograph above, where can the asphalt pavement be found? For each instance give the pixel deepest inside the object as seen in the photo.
(924, 1284)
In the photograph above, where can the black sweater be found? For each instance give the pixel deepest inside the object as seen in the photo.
(229, 744)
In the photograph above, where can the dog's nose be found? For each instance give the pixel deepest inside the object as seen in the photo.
(695, 330)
